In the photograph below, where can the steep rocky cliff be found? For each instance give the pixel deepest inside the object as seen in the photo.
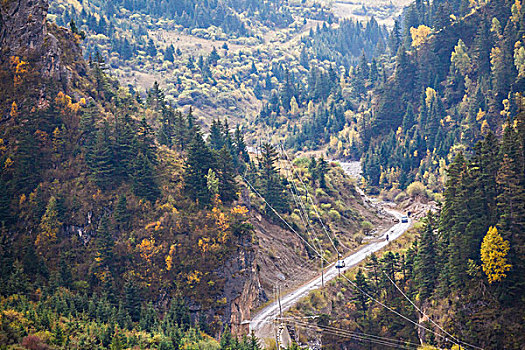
(53, 53)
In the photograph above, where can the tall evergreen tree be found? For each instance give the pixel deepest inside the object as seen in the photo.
(122, 214)
(101, 159)
(226, 171)
(199, 161)
(271, 181)
(425, 263)
(144, 182)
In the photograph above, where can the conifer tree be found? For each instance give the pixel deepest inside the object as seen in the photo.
(5, 203)
(101, 159)
(104, 243)
(240, 145)
(216, 138)
(322, 170)
(361, 299)
(425, 263)
(313, 170)
(395, 38)
(122, 214)
(145, 141)
(408, 118)
(199, 161)
(144, 183)
(271, 181)
(132, 300)
(447, 219)
(226, 171)
(124, 147)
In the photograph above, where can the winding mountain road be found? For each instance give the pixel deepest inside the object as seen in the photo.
(260, 323)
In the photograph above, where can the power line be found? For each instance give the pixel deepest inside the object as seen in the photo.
(348, 334)
(280, 217)
(313, 204)
(302, 207)
(339, 332)
(431, 320)
(354, 333)
(305, 216)
(395, 312)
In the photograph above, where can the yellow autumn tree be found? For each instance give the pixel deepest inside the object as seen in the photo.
(419, 35)
(494, 250)
(14, 110)
(169, 257)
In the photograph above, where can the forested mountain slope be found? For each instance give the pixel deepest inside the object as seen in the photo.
(121, 225)
(457, 80)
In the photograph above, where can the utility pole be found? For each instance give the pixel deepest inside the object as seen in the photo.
(279, 325)
(322, 271)
(279, 298)
(277, 335)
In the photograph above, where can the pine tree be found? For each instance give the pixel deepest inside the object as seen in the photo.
(101, 159)
(361, 299)
(5, 203)
(122, 214)
(490, 163)
(132, 300)
(216, 138)
(408, 118)
(191, 120)
(104, 243)
(511, 207)
(144, 183)
(395, 38)
(199, 161)
(240, 145)
(322, 169)
(271, 181)
(447, 219)
(313, 170)
(145, 141)
(425, 263)
(226, 171)
(151, 49)
(168, 53)
(124, 147)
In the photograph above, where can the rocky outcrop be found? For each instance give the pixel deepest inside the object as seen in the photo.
(242, 288)
(22, 25)
(25, 33)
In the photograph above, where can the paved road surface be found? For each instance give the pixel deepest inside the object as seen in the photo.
(260, 322)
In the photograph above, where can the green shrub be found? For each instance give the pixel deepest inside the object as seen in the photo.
(320, 192)
(334, 214)
(326, 206)
(400, 197)
(416, 188)
(366, 226)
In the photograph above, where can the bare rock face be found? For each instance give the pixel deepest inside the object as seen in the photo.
(241, 289)
(22, 25)
(23, 33)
